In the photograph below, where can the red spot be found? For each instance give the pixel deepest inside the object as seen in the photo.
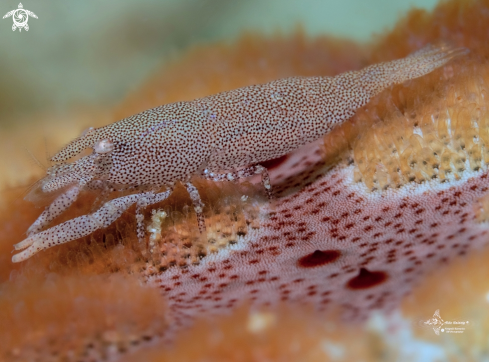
(366, 279)
(308, 236)
(318, 258)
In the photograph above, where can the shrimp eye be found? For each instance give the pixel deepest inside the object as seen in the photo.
(103, 146)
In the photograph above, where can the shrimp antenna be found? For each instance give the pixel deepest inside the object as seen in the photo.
(36, 160)
(46, 149)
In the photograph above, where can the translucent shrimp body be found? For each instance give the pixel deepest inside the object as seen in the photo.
(232, 130)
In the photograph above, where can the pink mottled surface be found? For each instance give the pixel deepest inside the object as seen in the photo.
(386, 241)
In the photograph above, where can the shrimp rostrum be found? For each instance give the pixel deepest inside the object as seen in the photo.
(223, 137)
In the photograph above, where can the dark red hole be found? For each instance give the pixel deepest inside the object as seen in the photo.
(270, 164)
(318, 258)
(366, 279)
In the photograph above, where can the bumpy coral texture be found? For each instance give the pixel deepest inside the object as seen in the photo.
(358, 221)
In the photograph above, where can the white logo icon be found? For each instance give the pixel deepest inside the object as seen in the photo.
(20, 17)
(436, 322)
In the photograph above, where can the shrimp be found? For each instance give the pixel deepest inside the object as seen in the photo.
(235, 130)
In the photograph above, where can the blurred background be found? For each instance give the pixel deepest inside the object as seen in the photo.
(80, 53)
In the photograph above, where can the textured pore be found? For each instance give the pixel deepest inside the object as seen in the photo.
(318, 258)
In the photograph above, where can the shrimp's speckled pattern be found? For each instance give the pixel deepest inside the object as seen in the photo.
(223, 132)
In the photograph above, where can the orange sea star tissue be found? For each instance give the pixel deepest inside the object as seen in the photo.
(358, 219)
